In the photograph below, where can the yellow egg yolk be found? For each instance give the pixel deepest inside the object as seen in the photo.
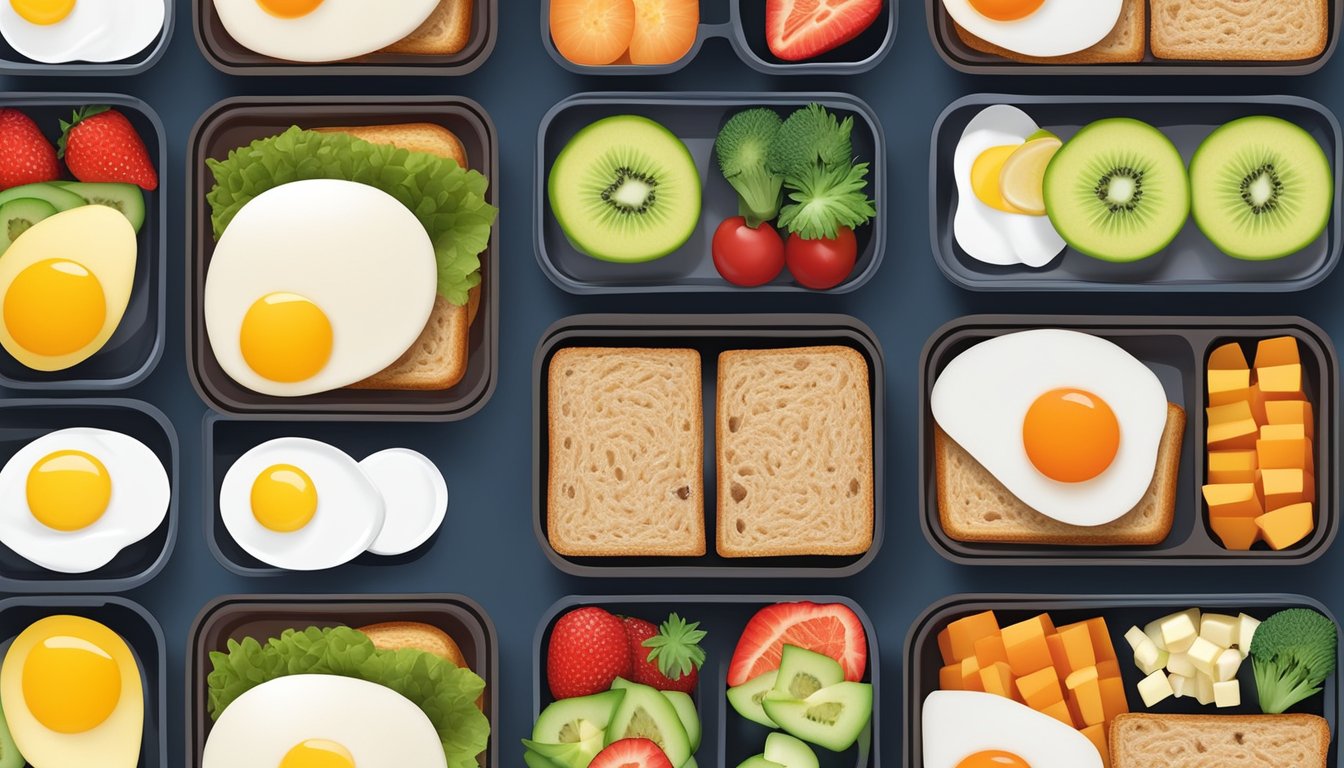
(68, 490)
(318, 753)
(70, 684)
(55, 307)
(994, 759)
(1070, 435)
(289, 9)
(286, 338)
(985, 173)
(1006, 10)
(43, 11)
(284, 498)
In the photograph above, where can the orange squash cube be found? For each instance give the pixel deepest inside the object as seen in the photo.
(1284, 527)
(962, 635)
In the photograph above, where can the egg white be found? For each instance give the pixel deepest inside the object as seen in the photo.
(336, 30)
(1057, 28)
(958, 724)
(95, 31)
(415, 496)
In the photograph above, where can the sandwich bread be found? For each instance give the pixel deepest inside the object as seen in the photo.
(413, 635)
(1125, 44)
(1239, 30)
(1219, 741)
(445, 32)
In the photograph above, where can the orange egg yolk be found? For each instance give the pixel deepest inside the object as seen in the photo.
(43, 11)
(1006, 10)
(286, 338)
(994, 759)
(55, 307)
(1070, 435)
(284, 498)
(68, 490)
(318, 753)
(289, 9)
(70, 684)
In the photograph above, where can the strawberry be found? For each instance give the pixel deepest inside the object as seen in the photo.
(669, 658)
(631, 753)
(832, 629)
(100, 145)
(588, 649)
(26, 157)
(797, 30)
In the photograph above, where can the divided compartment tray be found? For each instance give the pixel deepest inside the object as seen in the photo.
(696, 119)
(745, 32)
(1177, 350)
(923, 658)
(233, 617)
(727, 738)
(11, 63)
(709, 335)
(1191, 263)
(236, 122)
(227, 55)
(136, 346)
(963, 58)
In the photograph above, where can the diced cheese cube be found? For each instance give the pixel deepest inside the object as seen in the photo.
(1282, 431)
(1227, 694)
(1284, 453)
(1181, 686)
(1238, 534)
(1286, 526)
(1231, 467)
(1204, 655)
(1153, 630)
(1232, 426)
(1291, 412)
(1204, 689)
(1219, 629)
(1279, 382)
(1135, 638)
(1229, 662)
(1180, 664)
(1234, 500)
(1179, 632)
(1278, 350)
(1246, 626)
(1148, 658)
(1284, 487)
(1228, 357)
(1229, 386)
(1154, 689)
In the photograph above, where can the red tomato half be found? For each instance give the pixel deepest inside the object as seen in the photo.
(822, 264)
(745, 256)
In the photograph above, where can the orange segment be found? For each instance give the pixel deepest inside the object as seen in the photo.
(592, 32)
(665, 30)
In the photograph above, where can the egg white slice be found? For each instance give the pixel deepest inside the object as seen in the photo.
(958, 724)
(414, 494)
(1057, 28)
(96, 31)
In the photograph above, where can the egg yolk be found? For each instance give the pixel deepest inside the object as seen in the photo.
(318, 753)
(286, 338)
(284, 498)
(68, 490)
(54, 307)
(70, 684)
(1006, 10)
(1071, 435)
(985, 173)
(994, 759)
(289, 9)
(43, 11)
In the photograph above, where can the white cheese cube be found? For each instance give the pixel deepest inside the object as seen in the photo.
(1227, 694)
(1179, 632)
(1180, 664)
(1148, 658)
(1219, 629)
(1135, 637)
(1154, 632)
(1204, 689)
(1155, 688)
(1246, 633)
(1181, 686)
(1227, 666)
(1204, 655)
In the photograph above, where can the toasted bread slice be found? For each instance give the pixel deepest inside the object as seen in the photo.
(626, 465)
(794, 436)
(1125, 45)
(396, 635)
(1239, 30)
(1219, 741)
(973, 506)
(445, 32)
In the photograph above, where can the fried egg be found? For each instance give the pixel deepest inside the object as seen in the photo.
(320, 30)
(1037, 27)
(60, 31)
(76, 497)
(967, 729)
(1069, 423)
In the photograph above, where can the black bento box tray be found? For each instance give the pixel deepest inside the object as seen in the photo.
(1177, 350)
(11, 63)
(709, 335)
(1191, 263)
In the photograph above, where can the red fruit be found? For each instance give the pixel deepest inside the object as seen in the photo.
(588, 649)
(26, 157)
(100, 145)
(747, 256)
(822, 264)
(631, 753)
(669, 658)
(803, 29)
(831, 629)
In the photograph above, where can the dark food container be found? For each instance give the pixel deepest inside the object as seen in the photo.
(963, 58)
(235, 123)
(228, 56)
(1176, 349)
(227, 439)
(234, 617)
(22, 421)
(727, 738)
(135, 347)
(1191, 263)
(923, 659)
(709, 335)
(696, 119)
(136, 626)
(11, 63)
(745, 31)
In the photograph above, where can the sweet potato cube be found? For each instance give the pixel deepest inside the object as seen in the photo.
(1233, 500)
(970, 675)
(1229, 386)
(1280, 350)
(1283, 431)
(1060, 711)
(1230, 467)
(989, 649)
(1289, 453)
(1113, 699)
(1238, 534)
(963, 633)
(1101, 640)
(1285, 487)
(1026, 645)
(1108, 668)
(1087, 698)
(998, 680)
(1097, 735)
(1040, 689)
(1291, 412)
(949, 678)
(1078, 647)
(1228, 357)
(1232, 426)
(1279, 382)
(1284, 527)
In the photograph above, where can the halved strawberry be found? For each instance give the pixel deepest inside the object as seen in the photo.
(631, 753)
(831, 629)
(797, 30)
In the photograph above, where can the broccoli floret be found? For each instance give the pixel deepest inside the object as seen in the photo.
(811, 136)
(1292, 653)
(742, 148)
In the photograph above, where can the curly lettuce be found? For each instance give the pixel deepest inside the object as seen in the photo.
(448, 200)
(446, 693)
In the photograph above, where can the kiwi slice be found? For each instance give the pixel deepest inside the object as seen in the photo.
(1118, 190)
(625, 189)
(18, 216)
(1261, 188)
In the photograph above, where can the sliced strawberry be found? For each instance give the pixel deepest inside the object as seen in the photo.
(666, 658)
(631, 753)
(26, 157)
(797, 30)
(588, 649)
(831, 629)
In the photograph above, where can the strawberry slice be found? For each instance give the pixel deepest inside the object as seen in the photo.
(631, 753)
(797, 30)
(831, 629)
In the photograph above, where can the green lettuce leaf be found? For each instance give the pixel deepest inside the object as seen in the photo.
(446, 693)
(448, 200)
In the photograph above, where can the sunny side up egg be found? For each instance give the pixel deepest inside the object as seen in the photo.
(313, 31)
(966, 729)
(1068, 422)
(1037, 27)
(59, 31)
(73, 695)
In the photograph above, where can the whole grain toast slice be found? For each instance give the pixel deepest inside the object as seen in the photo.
(973, 506)
(794, 439)
(625, 471)
(445, 32)
(1219, 741)
(1125, 44)
(1239, 30)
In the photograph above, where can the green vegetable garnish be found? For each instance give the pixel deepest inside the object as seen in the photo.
(742, 148)
(448, 200)
(811, 136)
(447, 694)
(1293, 652)
(824, 186)
(676, 648)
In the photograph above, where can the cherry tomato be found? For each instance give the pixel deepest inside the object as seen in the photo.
(822, 264)
(747, 256)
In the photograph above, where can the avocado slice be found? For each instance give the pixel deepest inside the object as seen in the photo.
(645, 713)
(18, 216)
(571, 754)
(690, 718)
(789, 752)
(126, 198)
(576, 720)
(803, 673)
(690, 764)
(62, 199)
(833, 717)
(758, 761)
(746, 698)
(534, 760)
